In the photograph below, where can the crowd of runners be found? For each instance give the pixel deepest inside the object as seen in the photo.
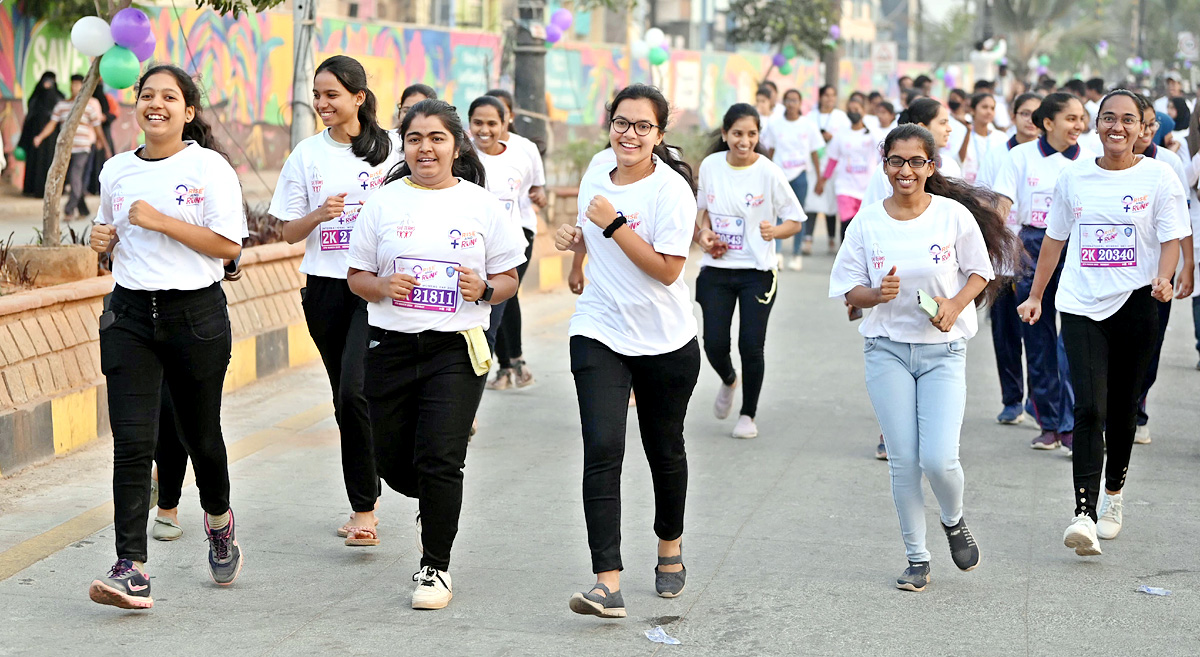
(1062, 213)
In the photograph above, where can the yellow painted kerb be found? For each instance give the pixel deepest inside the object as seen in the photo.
(550, 272)
(301, 348)
(243, 365)
(74, 420)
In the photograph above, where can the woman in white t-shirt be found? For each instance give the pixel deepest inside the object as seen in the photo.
(852, 155)
(432, 250)
(633, 327)
(1027, 179)
(794, 143)
(173, 211)
(1120, 218)
(829, 120)
(921, 259)
(982, 137)
(932, 115)
(321, 190)
(741, 195)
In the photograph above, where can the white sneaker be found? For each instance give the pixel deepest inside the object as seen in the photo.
(796, 263)
(745, 428)
(1109, 524)
(420, 545)
(724, 402)
(778, 261)
(1142, 435)
(433, 589)
(1081, 535)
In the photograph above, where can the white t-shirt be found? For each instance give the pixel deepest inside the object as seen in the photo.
(318, 169)
(1160, 105)
(1029, 177)
(1170, 159)
(879, 187)
(196, 186)
(529, 217)
(1114, 223)
(794, 143)
(1093, 108)
(872, 122)
(958, 132)
(607, 158)
(1090, 142)
(509, 177)
(624, 307)
(857, 155)
(738, 200)
(992, 163)
(936, 253)
(426, 232)
(833, 123)
(977, 149)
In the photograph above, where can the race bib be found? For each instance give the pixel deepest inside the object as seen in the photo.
(793, 164)
(1107, 245)
(970, 170)
(857, 165)
(438, 285)
(730, 229)
(1040, 208)
(335, 239)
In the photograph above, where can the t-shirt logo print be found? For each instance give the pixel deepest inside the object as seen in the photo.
(463, 240)
(753, 201)
(1132, 204)
(189, 195)
(877, 257)
(939, 253)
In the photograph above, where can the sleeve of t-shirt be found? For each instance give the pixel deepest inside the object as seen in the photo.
(877, 188)
(537, 167)
(1061, 219)
(850, 265)
(223, 211)
(60, 112)
(503, 242)
(290, 200)
(104, 213)
(703, 184)
(674, 219)
(95, 115)
(972, 250)
(1171, 218)
(363, 253)
(833, 150)
(767, 138)
(787, 205)
(1005, 181)
(818, 140)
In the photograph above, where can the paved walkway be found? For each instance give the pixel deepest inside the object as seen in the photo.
(792, 541)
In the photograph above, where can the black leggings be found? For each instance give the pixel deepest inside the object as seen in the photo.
(184, 338)
(337, 322)
(718, 291)
(1108, 360)
(169, 454)
(508, 339)
(663, 385)
(422, 394)
(810, 224)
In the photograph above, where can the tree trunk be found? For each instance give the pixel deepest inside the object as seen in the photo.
(62, 158)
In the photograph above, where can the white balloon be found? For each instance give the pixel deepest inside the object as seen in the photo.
(654, 37)
(639, 49)
(91, 36)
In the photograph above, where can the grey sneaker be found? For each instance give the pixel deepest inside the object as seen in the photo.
(670, 585)
(915, 577)
(608, 605)
(125, 586)
(224, 554)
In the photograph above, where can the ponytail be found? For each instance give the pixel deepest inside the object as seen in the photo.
(372, 143)
(466, 166)
(197, 130)
(662, 114)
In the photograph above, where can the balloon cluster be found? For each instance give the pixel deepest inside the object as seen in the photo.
(1102, 49)
(560, 22)
(652, 46)
(1043, 67)
(835, 33)
(782, 59)
(121, 47)
(1137, 65)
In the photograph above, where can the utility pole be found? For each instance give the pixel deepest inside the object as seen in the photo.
(304, 22)
(529, 71)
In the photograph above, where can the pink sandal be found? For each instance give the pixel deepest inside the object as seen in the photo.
(362, 537)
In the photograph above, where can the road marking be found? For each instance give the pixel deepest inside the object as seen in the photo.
(32, 550)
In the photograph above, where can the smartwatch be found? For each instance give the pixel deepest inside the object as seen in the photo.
(488, 291)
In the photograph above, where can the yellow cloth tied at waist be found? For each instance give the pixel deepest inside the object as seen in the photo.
(477, 346)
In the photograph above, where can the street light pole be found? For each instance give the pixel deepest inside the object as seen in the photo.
(529, 71)
(304, 21)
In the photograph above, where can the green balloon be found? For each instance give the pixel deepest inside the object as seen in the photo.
(19, 154)
(786, 69)
(1044, 60)
(658, 55)
(940, 73)
(120, 67)
(789, 51)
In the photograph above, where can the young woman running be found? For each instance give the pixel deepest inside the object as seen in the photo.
(634, 327)
(413, 94)
(916, 362)
(740, 196)
(981, 138)
(167, 319)
(1028, 180)
(853, 156)
(1006, 326)
(830, 121)
(1120, 217)
(509, 349)
(432, 250)
(321, 191)
(932, 115)
(794, 143)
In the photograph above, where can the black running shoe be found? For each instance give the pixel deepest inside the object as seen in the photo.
(962, 546)
(915, 577)
(125, 586)
(224, 554)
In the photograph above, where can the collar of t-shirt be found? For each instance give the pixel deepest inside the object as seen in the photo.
(1044, 147)
(333, 143)
(1012, 142)
(143, 158)
(1151, 151)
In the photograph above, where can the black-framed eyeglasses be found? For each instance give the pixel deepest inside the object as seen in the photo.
(897, 162)
(641, 128)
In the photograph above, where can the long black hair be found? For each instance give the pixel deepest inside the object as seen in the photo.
(1004, 249)
(490, 101)
(662, 114)
(736, 112)
(466, 166)
(922, 110)
(414, 89)
(1053, 105)
(372, 143)
(197, 129)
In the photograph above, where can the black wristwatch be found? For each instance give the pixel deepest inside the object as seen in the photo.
(488, 291)
(617, 223)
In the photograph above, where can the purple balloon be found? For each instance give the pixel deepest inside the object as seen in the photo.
(1042, 70)
(1137, 61)
(553, 33)
(130, 27)
(778, 60)
(835, 32)
(146, 49)
(562, 18)
(1103, 43)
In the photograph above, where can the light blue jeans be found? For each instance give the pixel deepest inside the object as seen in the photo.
(919, 392)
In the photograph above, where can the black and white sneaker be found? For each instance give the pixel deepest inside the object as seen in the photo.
(915, 577)
(125, 586)
(434, 589)
(963, 549)
(224, 553)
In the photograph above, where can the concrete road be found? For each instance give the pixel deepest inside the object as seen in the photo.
(792, 543)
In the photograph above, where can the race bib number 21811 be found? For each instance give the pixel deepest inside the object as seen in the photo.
(437, 285)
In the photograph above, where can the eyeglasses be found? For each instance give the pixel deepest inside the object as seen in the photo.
(403, 108)
(1109, 120)
(897, 162)
(1025, 114)
(642, 128)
